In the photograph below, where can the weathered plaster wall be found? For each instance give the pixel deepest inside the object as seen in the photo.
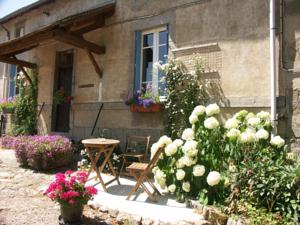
(239, 27)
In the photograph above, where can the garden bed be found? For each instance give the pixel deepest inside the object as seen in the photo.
(40, 152)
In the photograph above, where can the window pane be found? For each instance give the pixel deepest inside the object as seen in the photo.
(147, 65)
(148, 40)
(163, 54)
(163, 37)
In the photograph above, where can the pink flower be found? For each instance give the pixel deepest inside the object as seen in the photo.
(91, 190)
(68, 172)
(71, 201)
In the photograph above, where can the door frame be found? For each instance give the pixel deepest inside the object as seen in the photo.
(54, 88)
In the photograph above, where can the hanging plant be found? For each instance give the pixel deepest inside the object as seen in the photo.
(60, 97)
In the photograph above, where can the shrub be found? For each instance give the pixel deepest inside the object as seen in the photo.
(7, 142)
(25, 119)
(43, 152)
(230, 164)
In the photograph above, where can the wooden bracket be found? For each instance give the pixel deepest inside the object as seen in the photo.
(94, 62)
(78, 41)
(24, 72)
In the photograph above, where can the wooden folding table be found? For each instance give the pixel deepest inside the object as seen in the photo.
(95, 148)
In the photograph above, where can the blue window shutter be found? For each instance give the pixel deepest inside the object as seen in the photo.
(12, 80)
(137, 60)
(168, 32)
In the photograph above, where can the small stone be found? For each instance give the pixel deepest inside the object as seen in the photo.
(147, 221)
(113, 212)
(103, 209)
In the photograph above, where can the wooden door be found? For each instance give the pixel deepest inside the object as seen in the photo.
(63, 88)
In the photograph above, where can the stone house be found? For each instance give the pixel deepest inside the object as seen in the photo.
(99, 50)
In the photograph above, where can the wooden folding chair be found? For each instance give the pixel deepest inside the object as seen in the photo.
(140, 172)
(136, 150)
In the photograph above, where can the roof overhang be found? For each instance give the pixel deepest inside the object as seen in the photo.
(68, 30)
(24, 10)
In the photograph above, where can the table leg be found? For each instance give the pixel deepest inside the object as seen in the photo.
(95, 168)
(111, 166)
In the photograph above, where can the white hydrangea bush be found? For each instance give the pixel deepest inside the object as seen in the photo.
(198, 164)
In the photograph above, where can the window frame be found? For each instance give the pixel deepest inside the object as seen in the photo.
(155, 47)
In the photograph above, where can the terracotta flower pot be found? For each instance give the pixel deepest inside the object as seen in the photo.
(71, 212)
(150, 109)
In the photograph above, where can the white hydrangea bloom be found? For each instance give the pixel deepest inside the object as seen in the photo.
(193, 118)
(198, 170)
(154, 149)
(262, 134)
(247, 137)
(190, 148)
(180, 174)
(164, 140)
(180, 163)
(188, 134)
(233, 133)
(250, 115)
(211, 123)
(189, 161)
(253, 121)
(241, 113)
(172, 188)
(160, 178)
(263, 115)
(199, 110)
(171, 149)
(186, 186)
(157, 65)
(178, 142)
(277, 141)
(213, 178)
(231, 123)
(212, 109)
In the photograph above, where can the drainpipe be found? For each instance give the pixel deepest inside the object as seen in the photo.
(273, 65)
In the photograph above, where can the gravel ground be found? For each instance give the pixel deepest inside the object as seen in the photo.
(22, 201)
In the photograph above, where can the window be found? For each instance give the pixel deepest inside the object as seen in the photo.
(14, 89)
(154, 48)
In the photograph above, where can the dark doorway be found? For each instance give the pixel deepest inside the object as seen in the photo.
(62, 91)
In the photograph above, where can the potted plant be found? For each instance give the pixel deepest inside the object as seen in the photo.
(70, 192)
(8, 105)
(60, 96)
(144, 101)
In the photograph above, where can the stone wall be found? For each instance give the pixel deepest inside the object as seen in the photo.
(237, 28)
(290, 72)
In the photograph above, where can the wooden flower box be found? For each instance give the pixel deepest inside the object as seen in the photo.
(151, 109)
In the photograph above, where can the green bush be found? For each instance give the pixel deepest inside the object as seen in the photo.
(235, 164)
(26, 107)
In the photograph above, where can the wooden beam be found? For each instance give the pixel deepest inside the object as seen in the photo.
(24, 72)
(87, 26)
(17, 62)
(25, 43)
(94, 62)
(77, 41)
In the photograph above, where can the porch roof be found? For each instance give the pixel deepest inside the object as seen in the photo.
(68, 30)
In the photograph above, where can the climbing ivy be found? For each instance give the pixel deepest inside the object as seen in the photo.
(25, 117)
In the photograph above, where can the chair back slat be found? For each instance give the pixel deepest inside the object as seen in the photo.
(154, 160)
(141, 142)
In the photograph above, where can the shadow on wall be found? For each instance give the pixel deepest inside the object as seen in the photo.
(289, 79)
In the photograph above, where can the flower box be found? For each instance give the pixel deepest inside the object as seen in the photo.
(150, 109)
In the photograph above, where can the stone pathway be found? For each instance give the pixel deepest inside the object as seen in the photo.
(22, 201)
